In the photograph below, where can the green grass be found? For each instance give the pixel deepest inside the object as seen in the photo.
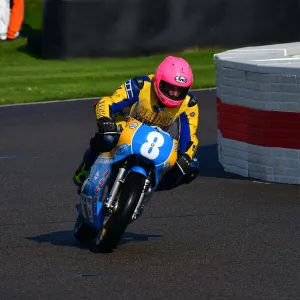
(24, 78)
(33, 13)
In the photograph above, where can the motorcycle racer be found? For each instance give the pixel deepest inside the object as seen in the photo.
(162, 99)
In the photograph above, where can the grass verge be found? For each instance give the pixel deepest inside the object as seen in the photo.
(25, 78)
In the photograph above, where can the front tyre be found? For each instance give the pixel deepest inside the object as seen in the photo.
(116, 225)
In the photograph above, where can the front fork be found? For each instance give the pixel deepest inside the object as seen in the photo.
(143, 199)
(109, 204)
(114, 190)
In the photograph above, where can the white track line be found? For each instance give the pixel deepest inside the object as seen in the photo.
(79, 99)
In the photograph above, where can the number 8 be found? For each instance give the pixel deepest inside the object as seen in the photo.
(150, 149)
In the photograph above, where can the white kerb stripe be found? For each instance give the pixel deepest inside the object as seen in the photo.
(266, 163)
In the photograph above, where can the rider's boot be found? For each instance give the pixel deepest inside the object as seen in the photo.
(84, 168)
(81, 173)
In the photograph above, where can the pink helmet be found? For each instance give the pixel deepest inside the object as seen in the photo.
(173, 80)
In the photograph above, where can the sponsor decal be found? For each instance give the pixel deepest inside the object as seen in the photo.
(144, 115)
(95, 199)
(106, 173)
(133, 125)
(96, 176)
(97, 190)
(101, 182)
(121, 149)
(175, 147)
(105, 160)
(181, 79)
(158, 109)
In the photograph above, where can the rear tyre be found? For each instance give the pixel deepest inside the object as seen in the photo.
(116, 225)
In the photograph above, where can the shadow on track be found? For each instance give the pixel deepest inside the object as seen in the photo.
(209, 164)
(66, 239)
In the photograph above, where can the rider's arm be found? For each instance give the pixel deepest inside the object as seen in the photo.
(189, 124)
(126, 95)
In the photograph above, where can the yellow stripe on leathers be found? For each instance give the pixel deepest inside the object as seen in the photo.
(173, 157)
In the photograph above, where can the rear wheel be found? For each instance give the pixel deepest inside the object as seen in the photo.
(117, 223)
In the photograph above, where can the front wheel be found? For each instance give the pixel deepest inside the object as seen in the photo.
(116, 225)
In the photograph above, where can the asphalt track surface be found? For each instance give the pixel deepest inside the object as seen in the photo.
(221, 237)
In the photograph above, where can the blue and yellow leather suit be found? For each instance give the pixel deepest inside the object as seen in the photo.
(136, 97)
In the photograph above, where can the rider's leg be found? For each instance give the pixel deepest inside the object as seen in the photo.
(84, 168)
(98, 145)
(170, 180)
(174, 177)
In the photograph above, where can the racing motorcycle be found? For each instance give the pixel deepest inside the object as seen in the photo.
(121, 182)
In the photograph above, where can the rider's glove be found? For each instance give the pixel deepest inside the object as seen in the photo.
(104, 143)
(188, 167)
(184, 163)
(105, 124)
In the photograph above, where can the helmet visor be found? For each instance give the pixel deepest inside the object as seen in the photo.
(172, 91)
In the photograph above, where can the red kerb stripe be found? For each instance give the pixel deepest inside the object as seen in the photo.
(259, 127)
